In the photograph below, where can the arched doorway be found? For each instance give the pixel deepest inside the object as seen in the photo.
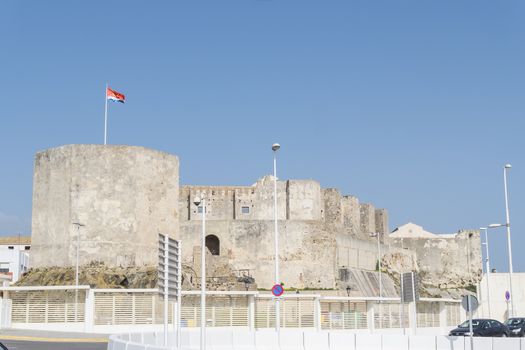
(213, 244)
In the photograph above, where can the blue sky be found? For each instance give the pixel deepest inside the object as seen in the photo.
(414, 106)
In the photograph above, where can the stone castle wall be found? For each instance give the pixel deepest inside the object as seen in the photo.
(123, 195)
(126, 195)
(447, 261)
(310, 219)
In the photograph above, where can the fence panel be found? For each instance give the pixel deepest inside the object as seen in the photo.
(221, 311)
(295, 313)
(343, 315)
(391, 315)
(427, 314)
(48, 306)
(453, 314)
(121, 308)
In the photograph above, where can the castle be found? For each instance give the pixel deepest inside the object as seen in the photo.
(125, 195)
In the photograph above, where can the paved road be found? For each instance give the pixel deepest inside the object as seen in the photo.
(40, 345)
(16, 339)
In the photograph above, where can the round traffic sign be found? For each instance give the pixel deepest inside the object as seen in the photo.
(507, 295)
(473, 302)
(277, 290)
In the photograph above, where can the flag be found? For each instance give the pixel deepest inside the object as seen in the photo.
(112, 95)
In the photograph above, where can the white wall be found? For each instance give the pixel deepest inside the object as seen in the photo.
(306, 340)
(499, 284)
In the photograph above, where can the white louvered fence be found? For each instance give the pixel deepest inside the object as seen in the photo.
(101, 310)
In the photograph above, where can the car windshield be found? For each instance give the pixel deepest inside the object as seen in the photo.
(475, 324)
(514, 322)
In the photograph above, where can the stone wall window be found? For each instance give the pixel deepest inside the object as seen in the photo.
(213, 244)
(245, 210)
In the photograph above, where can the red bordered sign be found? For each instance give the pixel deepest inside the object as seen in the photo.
(277, 290)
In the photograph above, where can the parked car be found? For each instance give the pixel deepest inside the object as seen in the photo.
(516, 326)
(482, 328)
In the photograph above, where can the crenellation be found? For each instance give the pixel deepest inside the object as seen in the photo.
(127, 195)
(367, 217)
(381, 221)
(333, 209)
(303, 200)
(351, 214)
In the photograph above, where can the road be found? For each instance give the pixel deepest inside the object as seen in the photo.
(45, 345)
(46, 340)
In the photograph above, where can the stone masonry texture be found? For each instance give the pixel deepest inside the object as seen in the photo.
(123, 195)
(126, 195)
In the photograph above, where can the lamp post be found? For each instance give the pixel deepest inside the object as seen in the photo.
(511, 313)
(509, 244)
(78, 225)
(275, 148)
(197, 201)
(487, 266)
(376, 234)
(348, 289)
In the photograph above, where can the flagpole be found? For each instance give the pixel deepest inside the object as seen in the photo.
(106, 115)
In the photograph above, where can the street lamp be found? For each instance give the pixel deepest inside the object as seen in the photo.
(197, 201)
(507, 225)
(376, 234)
(348, 289)
(509, 244)
(78, 225)
(275, 148)
(487, 265)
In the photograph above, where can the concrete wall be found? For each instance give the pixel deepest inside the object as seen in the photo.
(124, 196)
(357, 253)
(499, 284)
(299, 339)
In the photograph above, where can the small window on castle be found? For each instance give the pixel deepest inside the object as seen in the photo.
(10, 247)
(27, 247)
(245, 210)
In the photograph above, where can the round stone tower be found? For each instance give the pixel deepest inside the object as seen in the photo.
(122, 197)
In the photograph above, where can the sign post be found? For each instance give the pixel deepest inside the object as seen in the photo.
(470, 304)
(507, 299)
(169, 279)
(277, 291)
(410, 294)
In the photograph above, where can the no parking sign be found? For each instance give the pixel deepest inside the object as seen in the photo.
(277, 290)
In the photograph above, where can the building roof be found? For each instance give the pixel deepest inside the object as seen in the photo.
(15, 240)
(411, 230)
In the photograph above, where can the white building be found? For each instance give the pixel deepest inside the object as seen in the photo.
(14, 256)
(498, 286)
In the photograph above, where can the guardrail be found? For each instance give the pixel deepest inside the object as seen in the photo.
(228, 339)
